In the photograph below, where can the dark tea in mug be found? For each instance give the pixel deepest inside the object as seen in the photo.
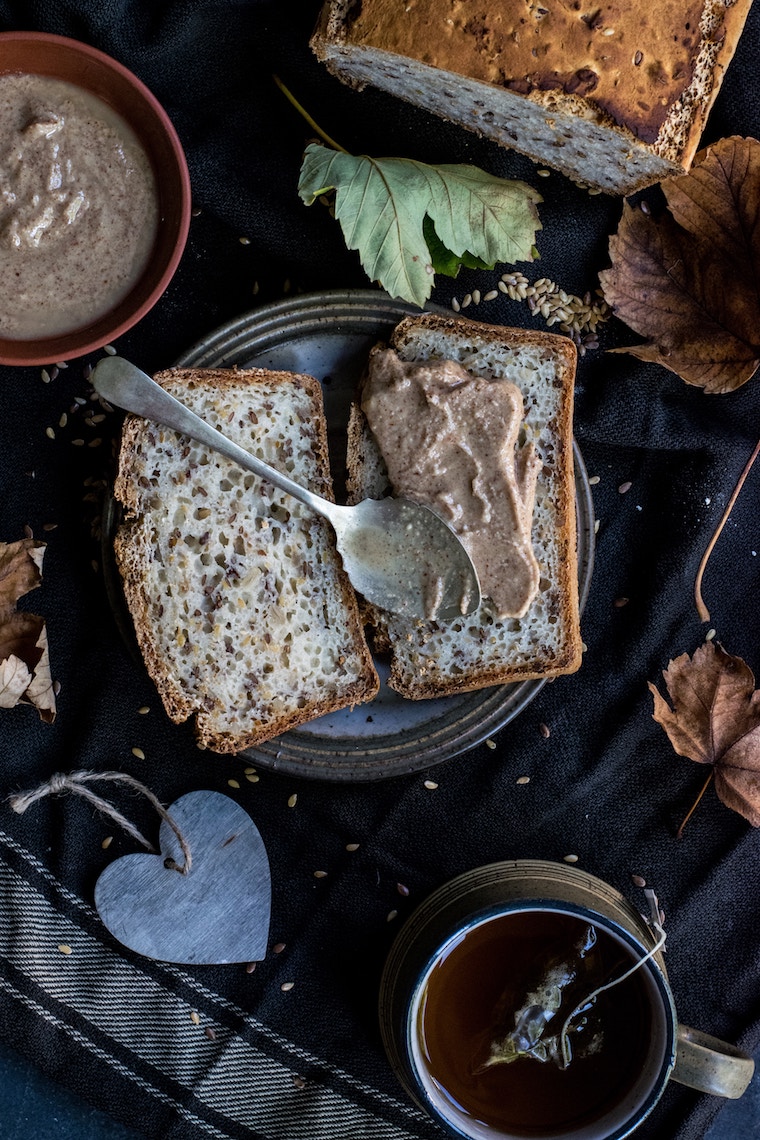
(516, 1034)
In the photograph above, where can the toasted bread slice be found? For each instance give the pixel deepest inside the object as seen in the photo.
(430, 659)
(242, 610)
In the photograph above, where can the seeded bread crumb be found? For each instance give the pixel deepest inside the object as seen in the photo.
(242, 609)
(431, 659)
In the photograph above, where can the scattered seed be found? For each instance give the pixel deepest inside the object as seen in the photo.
(50, 433)
(63, 420)
(466, 300)
(109, 348)
(244, 241)
(56, 688)
(430, 785)
(252, 777)
(476, 296)
(402, 890)
(64, 948)
(233, 783)
(107, 842)
(250, 967)
(138, 752)
(620, 602)
(638, 880)
(584, 647)
(570, 858)
(491, 295)
(299, 1082)
(544, 730)
(644, 207)
(61, 364)
(249, 771)
(195, 1018)
(455, 305)
(28, 531)
(293, 800)
(594, 480)
(543, 173)
(210, 1033)
(596, 526)
(46, 377)
(491, 744)
(287, 986)
(144, 710)
(710, 635)
(391, 915)
(523, 780)
(278, 947)
(625, 487)
(352, 847)
(50, 526)
(320, 874)
(95, 442)
(78, 442)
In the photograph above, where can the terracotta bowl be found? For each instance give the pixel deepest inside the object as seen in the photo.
(38, 53)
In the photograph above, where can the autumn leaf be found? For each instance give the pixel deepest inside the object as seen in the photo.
(688, 281)
(715, 720)
(24, 660)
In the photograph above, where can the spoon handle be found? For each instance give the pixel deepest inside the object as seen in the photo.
(123, 384)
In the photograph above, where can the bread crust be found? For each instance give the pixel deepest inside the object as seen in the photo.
(187, 688)
(416, 672)
(606, 97)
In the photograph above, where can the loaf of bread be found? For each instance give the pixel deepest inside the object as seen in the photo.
(242, 609)
(431, 659)
(614, 95)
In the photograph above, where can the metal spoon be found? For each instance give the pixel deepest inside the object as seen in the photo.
(398, 554)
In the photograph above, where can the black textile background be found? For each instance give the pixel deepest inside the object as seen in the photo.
(605, 784)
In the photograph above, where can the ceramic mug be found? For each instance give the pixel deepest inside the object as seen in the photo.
(465, 921)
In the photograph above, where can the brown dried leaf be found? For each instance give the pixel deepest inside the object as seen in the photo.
(687, 280)
(715, 719)
(24, 661)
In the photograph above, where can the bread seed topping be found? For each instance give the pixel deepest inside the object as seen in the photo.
(78, 207)
(450, 441)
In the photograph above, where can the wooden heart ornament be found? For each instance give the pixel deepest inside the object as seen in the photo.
(218, 912)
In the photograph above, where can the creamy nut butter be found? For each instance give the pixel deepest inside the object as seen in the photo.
(78, 207)
(450, 441)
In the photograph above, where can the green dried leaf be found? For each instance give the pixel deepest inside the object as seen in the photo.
(382, 204)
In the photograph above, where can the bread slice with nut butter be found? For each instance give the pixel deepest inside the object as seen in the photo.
(244, 615)
(431, 659)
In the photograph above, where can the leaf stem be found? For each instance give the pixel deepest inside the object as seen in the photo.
(695, 805)
(702, 609)
(305, 114)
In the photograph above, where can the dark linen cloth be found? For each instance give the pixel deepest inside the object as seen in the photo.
(605, 785)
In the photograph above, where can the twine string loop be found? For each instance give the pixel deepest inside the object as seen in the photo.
(77, 783)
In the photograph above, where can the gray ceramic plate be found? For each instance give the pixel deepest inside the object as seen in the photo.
(328, 335)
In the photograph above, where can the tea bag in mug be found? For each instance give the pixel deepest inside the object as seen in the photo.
(557, 998)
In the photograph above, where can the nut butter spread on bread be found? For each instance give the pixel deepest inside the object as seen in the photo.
(615, 95)
(242, 610)
(434, 659)
(450, 441)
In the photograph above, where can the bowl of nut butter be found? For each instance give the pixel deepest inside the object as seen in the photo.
(94, 198)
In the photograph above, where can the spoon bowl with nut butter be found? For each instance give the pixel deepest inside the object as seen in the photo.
(399, 555)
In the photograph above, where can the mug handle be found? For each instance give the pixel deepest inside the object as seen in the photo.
(710, 1065)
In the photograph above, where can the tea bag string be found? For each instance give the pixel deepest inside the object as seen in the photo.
(76, 782)
(655, 923)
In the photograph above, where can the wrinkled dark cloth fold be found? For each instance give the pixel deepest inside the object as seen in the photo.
(604, 785)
